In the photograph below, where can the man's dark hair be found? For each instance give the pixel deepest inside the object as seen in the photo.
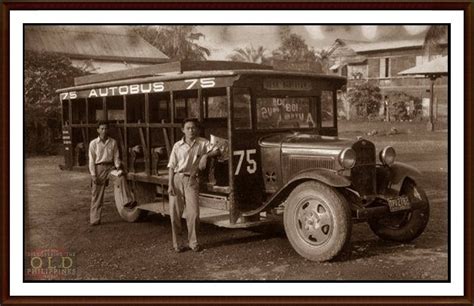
(102, 122)
(195, 120)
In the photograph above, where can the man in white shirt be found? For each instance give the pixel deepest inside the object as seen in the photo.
(103, 158)
(189, 155)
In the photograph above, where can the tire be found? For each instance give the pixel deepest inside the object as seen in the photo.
(130, 215)
(404, 226)
(322, 207)
(135, 214)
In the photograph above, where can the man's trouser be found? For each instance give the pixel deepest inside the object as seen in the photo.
(186, 197)
(122, 193)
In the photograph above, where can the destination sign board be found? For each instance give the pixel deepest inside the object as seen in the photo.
(287, 84)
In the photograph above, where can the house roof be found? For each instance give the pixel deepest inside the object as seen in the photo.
(438, 66)
(361, 47)
(92, 42)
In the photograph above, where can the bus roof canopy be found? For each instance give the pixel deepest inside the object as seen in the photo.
(184, 70)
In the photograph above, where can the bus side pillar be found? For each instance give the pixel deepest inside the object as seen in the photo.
(68, 150)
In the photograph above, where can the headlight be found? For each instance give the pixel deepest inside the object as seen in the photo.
(387, 156)
(347, 158)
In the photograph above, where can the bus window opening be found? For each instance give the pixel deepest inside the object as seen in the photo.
(285, 112)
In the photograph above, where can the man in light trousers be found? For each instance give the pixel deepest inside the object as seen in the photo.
(188, 156)
(103, 159)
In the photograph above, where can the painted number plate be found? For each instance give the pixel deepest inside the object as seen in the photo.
(399, 203)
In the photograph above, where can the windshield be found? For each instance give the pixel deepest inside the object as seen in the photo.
(285, 112)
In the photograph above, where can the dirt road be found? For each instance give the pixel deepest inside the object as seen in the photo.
(57, 210)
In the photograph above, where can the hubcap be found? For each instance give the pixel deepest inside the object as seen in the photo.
(314, 221)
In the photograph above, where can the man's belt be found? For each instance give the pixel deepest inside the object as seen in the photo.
(184, 174)
(104, 163)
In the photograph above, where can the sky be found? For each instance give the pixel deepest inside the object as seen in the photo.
(222, 40)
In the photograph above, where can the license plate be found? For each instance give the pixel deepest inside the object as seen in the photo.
(399, 203)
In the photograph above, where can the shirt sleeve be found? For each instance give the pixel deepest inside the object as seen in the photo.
(210, 147)
(92, 158)
(116, 155)
(173, 162)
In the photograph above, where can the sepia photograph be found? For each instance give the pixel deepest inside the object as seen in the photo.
(284, 149)
(235, 153)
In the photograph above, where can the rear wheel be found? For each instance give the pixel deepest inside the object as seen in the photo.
(404, 226)
(143, 193)
(317, 221)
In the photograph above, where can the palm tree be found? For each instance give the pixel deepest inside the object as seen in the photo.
(434, 37)
(178, 42)
(249, 54)
(323, 56)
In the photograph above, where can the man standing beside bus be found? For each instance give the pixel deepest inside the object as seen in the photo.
(103, 159)
(188, 156)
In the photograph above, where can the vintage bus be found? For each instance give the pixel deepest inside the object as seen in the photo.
(281, 155)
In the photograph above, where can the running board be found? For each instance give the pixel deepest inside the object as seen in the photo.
(208, 215)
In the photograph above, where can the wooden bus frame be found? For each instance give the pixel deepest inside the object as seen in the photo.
(244, 202)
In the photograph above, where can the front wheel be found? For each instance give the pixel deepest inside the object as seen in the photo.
(317, 221)
(404, 226)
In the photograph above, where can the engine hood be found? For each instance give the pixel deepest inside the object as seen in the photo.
(306, 143)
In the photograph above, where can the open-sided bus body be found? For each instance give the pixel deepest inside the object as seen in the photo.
(281, 153)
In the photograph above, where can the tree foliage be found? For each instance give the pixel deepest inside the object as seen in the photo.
(293, 48)
(44, 74)
(366, 98)
(434, 37)
(249, 54)
(403, 106)
(177, 42)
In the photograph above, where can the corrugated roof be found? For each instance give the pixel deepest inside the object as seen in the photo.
(437, 66)
(386, 45)
(96, 42)
(361, 47)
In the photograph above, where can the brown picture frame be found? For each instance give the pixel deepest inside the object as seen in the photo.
(465, 5)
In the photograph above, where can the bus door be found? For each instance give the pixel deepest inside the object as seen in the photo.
(246, 164)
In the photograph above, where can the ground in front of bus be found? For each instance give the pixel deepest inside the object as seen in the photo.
(57, 210)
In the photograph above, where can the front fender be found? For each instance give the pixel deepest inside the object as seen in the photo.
(325, 176)
(399, 171)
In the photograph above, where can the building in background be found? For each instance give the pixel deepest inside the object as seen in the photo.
(96, 49)
(380, 63)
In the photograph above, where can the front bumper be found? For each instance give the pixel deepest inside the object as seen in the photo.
(365, 213)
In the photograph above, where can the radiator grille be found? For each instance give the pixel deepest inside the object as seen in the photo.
(363, 175)
(300, 163)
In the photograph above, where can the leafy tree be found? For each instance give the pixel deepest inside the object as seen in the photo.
(293, 48)
(177, 42)
(366, 98)
(434, 37)
(249, 54)
(44, 74)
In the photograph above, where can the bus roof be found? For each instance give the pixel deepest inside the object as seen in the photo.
(183, 70)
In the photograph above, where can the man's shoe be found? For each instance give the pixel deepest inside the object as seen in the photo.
(197, 249)
(131, 205)
(95, 223)
(180, 249)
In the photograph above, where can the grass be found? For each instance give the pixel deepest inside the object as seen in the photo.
(411, 137)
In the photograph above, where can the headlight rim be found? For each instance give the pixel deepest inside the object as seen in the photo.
(383, 156)
(342, 157)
